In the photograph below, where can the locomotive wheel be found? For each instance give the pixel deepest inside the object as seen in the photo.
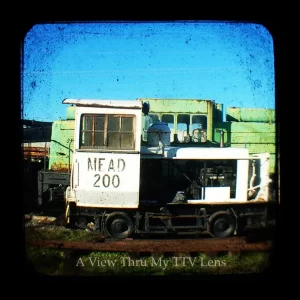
(118, 225)
(222, 224)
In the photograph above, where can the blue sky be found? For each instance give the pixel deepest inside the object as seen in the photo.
(231, 63)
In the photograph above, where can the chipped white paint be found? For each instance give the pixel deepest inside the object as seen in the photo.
(213, 194)
(132, 104)
(242, 174)
(106, 179)
(264, 165)
(212, 153)
(196, 153)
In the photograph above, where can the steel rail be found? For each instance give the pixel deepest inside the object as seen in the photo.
(178, 245)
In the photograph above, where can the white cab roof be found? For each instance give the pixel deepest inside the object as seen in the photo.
(136, 104)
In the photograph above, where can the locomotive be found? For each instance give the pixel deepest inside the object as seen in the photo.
(192, 122)
(125, 181)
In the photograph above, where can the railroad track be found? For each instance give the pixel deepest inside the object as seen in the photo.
(235, 244)
(153, 246)
(102, 255)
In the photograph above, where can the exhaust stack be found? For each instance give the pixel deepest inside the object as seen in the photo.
(221, 137)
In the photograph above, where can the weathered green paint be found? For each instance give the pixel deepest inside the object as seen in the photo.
(183, 106)
(258, 148)
(179, 105)
(61, 140)
(218, 112)
(237, 114)
(257, 137)
(243, 132)
(71, 112)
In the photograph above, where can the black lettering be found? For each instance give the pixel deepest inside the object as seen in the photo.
(116, 181)
(95, 163)
(106, 180)
(98, 178)
(90, 164)
(100, 164)
(106, 183)
(111, 165)
(121, 165)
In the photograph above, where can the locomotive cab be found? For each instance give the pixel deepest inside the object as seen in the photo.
(105, 172)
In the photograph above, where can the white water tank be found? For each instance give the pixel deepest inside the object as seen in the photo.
(159, 134)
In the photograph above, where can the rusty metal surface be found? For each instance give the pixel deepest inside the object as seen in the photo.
(59, 168)
(177, 245)
(35, 151)
(39, 219)
(62, 145)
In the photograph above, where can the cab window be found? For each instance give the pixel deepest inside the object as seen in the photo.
(115, 132)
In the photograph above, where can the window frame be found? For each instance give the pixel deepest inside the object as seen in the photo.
(105, 131)
(198, 115)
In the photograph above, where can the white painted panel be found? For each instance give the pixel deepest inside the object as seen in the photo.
(107, 179)
(212, 153)
(116, 199)
(217, 193)
(214, 194)
(242, 180)
(136, 104)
